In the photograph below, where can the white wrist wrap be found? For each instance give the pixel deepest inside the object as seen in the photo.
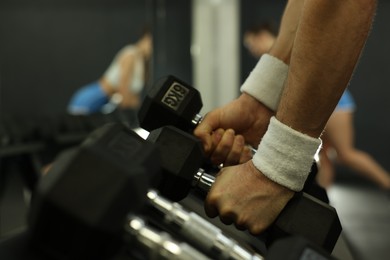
(266, 81)
(285, 155)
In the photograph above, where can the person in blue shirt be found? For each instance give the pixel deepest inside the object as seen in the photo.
(120, 85)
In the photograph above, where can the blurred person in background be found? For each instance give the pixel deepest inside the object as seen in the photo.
(121, 84)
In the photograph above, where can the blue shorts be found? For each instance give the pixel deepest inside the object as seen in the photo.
(346, 102)
(89, 99)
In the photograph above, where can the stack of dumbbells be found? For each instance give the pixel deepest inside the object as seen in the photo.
(119, 196)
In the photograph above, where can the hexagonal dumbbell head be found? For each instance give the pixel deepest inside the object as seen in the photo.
(181, 157)
(309, 217)
(170, 102)
(128, 145)
(296, 247)
(80, 206)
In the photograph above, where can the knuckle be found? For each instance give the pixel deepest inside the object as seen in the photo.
(241, 222)
(226, 211)
(256, 228)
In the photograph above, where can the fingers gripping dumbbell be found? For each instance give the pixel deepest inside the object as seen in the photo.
(172, 102)
(181, 159)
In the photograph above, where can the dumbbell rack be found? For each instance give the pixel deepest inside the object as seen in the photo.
(149, 237)
(159, 231)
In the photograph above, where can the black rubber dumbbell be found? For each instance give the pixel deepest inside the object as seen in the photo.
(171, 101)
(296, 247)
(79, 208)
(181, 159)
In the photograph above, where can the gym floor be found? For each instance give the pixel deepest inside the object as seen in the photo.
(363, 209)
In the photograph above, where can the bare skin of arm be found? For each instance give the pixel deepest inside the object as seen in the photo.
(288, 27)
(328, 43)
(129, 99)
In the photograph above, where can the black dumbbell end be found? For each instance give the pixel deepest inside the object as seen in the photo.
(81, 204)
(181, 157)
(309, 217)
(170, 102)
(296, 247)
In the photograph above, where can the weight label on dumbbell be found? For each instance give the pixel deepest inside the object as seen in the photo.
(175, 96)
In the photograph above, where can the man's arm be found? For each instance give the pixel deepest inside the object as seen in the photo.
(266, 81)
(328, 44)
(288, 27)
(329, 40)
(248, 115)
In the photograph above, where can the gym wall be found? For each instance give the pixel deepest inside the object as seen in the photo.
(48, 49)
(172, 39)
(370, 82)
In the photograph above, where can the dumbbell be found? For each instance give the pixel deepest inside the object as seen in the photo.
(181, 159)
(171, 101)
(296, 247)
(87, 224)
(79, 208)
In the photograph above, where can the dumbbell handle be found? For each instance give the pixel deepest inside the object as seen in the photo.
(196, 120)
(160, 245)
(203, 180)
(205, 235)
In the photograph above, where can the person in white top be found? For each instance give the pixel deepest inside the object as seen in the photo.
(122, 83)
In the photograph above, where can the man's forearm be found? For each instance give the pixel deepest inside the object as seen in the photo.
(330, 37)
(266, 81)
(287, 30)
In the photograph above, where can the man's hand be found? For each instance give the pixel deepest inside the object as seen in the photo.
(229, 148)
(226, 129)
(244, 196)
